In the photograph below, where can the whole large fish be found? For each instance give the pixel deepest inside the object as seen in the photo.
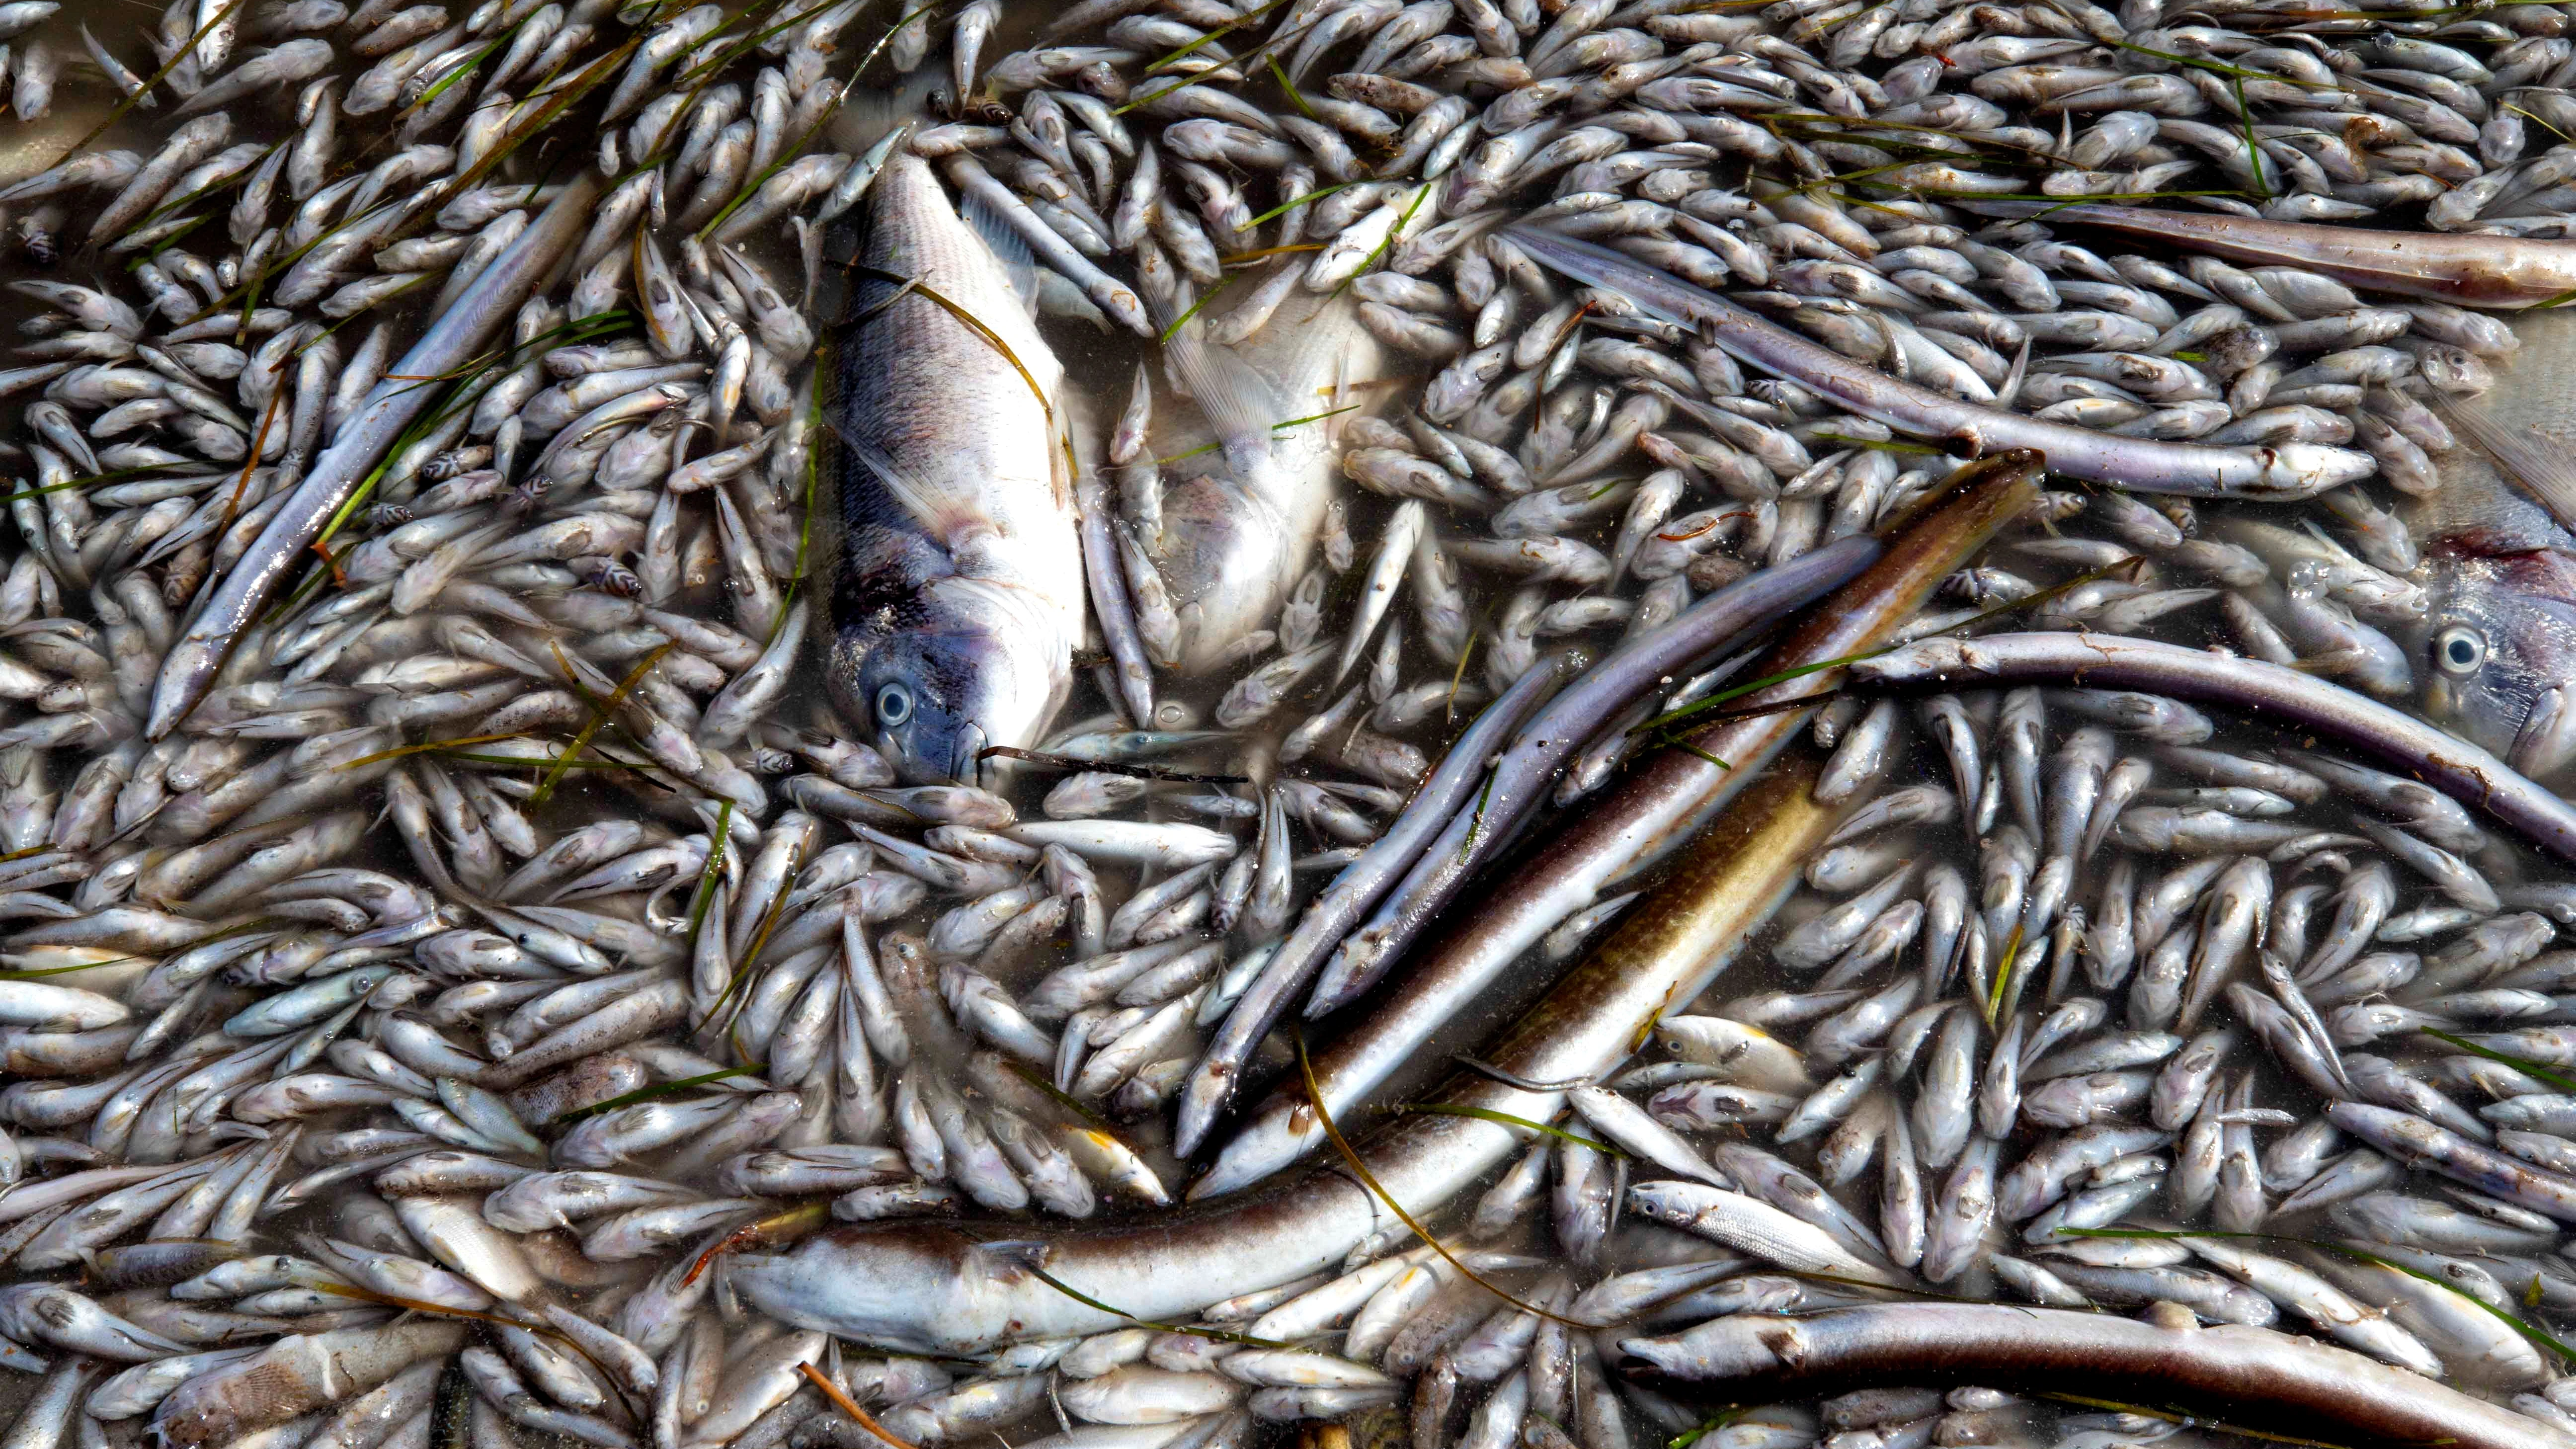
(2499, 643)
(959, 594)
(1235, 536)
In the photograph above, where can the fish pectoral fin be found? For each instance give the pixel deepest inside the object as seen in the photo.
(1241, 405)
(922, 505)
(2543, 471)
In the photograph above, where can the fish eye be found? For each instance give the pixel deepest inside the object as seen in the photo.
(894, 705)
(2459, 650)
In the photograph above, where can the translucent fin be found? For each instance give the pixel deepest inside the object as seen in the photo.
(1240, 403)
(2010, 392)
(868, 113)
(2544, 472)
(1019, 264)
(1014, 1254)
(916, 500)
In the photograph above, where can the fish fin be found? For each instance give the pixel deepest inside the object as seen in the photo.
(1239, 402)
(1013, 1254)
(2010, 392)
(868, 114)
(2327, 540)
(2543, 471)
(940, 520)
(1019, 264)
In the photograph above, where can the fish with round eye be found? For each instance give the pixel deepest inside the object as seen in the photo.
(959, 595)
(2497, 647)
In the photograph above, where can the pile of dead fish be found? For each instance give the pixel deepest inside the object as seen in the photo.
(601, 688)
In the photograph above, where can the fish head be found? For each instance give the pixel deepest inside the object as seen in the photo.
(958, 668)
(2499, 641)
(2499, 647)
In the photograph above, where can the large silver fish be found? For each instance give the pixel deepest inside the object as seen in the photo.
(2499, 642)
(959, 594)
(1236, 535)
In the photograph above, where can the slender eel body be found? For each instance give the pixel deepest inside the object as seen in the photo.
(1358, 887)
(1664, 801)
(2200, 470)
(485, 309)
(2471, 270)
(1574, 720)
(2255, 1377)
(926, 1287)
(1529, 758)
(2422, 751)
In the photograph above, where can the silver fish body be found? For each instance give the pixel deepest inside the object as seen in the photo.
(2499, 642)
(959, 596)
(1234, 537)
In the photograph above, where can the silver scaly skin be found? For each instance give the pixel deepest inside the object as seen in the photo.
(958, 597)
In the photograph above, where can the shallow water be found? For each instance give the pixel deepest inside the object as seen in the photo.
(1574, 1236)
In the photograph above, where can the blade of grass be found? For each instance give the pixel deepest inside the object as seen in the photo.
(1379, 252)
(1706, 1427)
(973, 324)
(1165, 339)
(779, 1227)
(1062, 1098)
(560, 764)
(1109, 767)
(786, 156)
(1227, 28)
(647, 1094)
(2520, 1064)
(1290, 87)
(718, 842)
(1359, 1168)
(39, 973)
(1315, 417)
(1292, 204)
(168, 239)
(209, 189)
(1245, 259)
(1693, 711)
(1487, 1114)
(1215, 1335)
(887, 39)
(582, 82)
(2004, 969)
(2253, 149)
(714, 63)
(850, 1406)
(599, 713)
(459, 71)
(813, 471)
(401, 751)
(2176, 1416)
